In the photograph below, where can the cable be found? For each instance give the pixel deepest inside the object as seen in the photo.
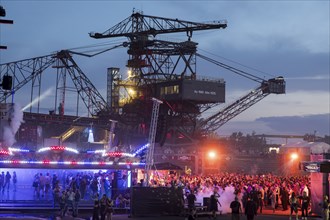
(251, 68)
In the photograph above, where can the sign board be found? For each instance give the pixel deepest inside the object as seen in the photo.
(311, 167)
(315, 167)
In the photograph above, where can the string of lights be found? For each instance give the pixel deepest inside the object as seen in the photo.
(45, 162)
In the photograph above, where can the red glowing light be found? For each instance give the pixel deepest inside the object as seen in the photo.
(4, 152)
(60, 148)
(115, 154)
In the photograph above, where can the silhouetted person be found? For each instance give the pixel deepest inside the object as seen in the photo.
(214, 204)
(2, 181)
(109, 209)
(14, 181)
(250, 209)
(7, 181)
(284, 198)
(96, 208)
(236, 209)
(293, 201)
(191, 199)
(103, 206)
(304, 206)
(325, 207)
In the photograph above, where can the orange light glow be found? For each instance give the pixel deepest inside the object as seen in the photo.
(212, 154)
(294, 156)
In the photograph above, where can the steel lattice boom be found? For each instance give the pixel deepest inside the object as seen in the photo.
(24, 71)
(139, 24)
(28, 70)
(275, 86)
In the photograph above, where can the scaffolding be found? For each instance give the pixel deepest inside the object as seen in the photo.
(152, 136)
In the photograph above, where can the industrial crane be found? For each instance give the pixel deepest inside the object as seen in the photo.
(148, 57)
(149, 61)
(161, 69)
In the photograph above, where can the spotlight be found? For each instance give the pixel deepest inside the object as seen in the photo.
(294, 156)
(212, 154)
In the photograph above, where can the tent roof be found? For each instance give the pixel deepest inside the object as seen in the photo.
(315, 147)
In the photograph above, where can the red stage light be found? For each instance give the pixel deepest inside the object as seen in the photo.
(115, 154)
(61, 148)
(4, 152)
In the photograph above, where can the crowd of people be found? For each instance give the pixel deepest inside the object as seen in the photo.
(225, 191)
(252, 192)
(75, 187)
(88, 182)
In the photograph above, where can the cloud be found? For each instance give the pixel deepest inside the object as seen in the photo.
(301, 124)
(295, 125)
(274, 25)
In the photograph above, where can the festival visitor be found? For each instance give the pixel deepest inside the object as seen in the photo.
(77, 197)
(109, 209)
(284, 198)
(103, 206)
(56, 195)
(293, 205)
(63, 206)
(2, 181)
(261, 197)
(191, 199)
(47, 184)
(7, 181)
(96, 208)
(214, 201)
(250, 209)
(35, 185)
(42, 182)
(14, 181)
(120, 201)
(325, 207)
(273, 200)
(70, 200)
(304, 206)
(236, 209)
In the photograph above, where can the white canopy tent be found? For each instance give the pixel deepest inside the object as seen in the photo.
(306, 148)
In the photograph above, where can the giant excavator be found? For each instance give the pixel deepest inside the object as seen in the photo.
(158, 69)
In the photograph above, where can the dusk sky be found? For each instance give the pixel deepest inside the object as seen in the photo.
(264, 38)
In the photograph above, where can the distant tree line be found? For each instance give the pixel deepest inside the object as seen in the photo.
(239, 141)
